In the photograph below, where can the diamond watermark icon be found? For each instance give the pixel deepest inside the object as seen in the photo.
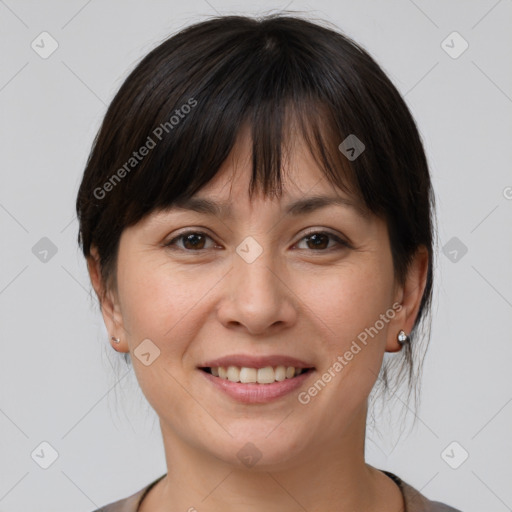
(454, 45)
(454, 250)
(249, 249)
(249, 455)
(44, 45)
(454, 455)
(44, 455)
(351, 147)
(44, 250)
(147, 352)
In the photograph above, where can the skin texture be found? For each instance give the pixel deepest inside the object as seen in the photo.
(294, 299)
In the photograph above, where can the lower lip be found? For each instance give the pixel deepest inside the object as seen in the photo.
(257, 393)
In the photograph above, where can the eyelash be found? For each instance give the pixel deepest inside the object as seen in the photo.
(338, 240)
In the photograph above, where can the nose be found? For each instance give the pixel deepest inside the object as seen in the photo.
(257, 296)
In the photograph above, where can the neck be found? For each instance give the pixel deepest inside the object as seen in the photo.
(330, 475)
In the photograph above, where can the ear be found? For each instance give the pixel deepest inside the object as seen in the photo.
(110, 308)
(409, 297)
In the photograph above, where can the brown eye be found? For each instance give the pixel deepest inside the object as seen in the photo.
(319, 240)
(192, 241)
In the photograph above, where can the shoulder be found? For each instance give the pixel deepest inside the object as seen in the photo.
(131, 503)
(417, 502)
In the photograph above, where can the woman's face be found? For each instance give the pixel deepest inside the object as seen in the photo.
(252, 284)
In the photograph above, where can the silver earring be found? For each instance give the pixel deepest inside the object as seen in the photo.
(115, 340)
(402, 338)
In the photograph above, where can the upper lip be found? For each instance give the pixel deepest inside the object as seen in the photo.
(241, 360)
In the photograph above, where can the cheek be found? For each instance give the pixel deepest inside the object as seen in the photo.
(162, 304)
(347, 308)
(348, 301)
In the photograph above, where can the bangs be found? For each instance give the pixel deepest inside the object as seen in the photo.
(279, 99)
(276, 131)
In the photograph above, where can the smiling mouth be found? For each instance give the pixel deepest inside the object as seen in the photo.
(266, 375)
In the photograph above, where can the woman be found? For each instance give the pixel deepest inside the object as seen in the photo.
(256, 214)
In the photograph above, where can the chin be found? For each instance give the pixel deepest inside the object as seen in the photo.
(260, 446)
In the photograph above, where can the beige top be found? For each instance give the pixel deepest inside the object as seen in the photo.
(414, 501)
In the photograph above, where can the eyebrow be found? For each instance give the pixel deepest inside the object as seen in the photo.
(296, 208)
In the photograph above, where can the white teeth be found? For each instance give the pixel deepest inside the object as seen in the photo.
(233, 374)
(248, 375)
(280, 373)
(266, 375)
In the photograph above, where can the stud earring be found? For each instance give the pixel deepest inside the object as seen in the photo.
(402, 338)
(115, 340)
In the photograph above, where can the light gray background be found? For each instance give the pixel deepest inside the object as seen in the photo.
(61, 382)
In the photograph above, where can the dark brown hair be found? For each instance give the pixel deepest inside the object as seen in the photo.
(186, 101)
